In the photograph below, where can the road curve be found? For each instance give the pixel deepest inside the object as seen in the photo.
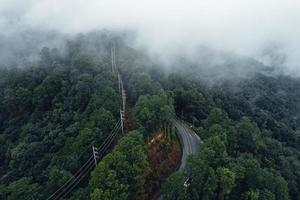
(190, 143)
(189, 139)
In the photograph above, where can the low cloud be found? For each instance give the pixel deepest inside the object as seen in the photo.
(267, 30)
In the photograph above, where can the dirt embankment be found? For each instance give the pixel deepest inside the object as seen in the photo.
(164, 154)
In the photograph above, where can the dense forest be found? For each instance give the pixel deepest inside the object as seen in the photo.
(54, 109)
(52, 112)
(249, 124)
(250, 131)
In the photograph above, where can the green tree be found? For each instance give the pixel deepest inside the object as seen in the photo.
(191, 105)
(102, 119)
(116, 190)
(23, 188)
(57, 178)
(245, 137)
(203, 179)
(154, 111)
(217, 116)
(252, 195)
(218, 130)
(173, 188)
(226, 181)
(121, 173)
(81, 194)
(140, 84)
(213, 152)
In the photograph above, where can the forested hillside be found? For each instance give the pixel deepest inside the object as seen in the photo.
(51, 113)
(250, 131)
(54, 109)
(249, 123)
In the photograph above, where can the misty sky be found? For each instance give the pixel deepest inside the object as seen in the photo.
(245, 27)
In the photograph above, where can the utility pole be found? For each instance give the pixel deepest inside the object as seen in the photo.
(95, 154)
(122, 116)
(123, 99)
(120, 84)
(119, 81)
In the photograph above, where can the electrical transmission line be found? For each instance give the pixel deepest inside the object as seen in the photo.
(76, 182)
(85, 168)
(99, 152)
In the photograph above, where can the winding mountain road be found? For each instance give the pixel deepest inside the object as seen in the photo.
(190, 143)
(189, 139)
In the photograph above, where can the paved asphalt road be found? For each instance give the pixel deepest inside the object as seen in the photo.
(190, 141)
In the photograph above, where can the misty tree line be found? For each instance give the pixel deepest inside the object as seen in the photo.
(251, 140)
(54, 110)
(51, 113)
(249, 125)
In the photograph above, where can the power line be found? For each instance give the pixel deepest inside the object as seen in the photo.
(67, 187)
(77, 174)
(78, 181)
(91, 165)
(74, 176)
(113, 135)
(108, 137)
(83, 173)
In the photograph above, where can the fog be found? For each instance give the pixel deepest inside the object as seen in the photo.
(267, 30)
